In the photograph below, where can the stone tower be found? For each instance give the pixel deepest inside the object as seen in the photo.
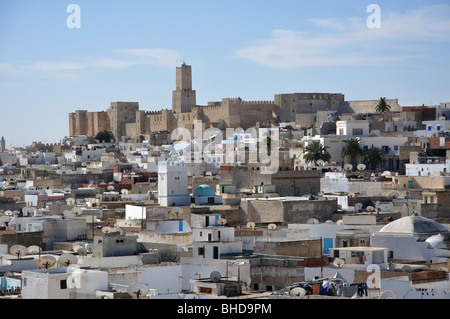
(183, 98)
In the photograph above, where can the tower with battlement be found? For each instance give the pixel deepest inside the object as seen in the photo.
(183, 98)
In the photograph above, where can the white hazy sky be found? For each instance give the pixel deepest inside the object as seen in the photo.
(128, 51)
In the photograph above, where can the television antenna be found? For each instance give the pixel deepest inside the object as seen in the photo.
(312, 221)
(387, 294)
(393, 195)
(46, 262)
(34, 249)
(18, 250)
(215, 276)
(297, 292)
(174, 214)
(222, 221)
(338, 262)
(67, 259)
(251, 225)
(137, 290)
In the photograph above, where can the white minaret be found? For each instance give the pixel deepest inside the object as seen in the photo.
(173, 184)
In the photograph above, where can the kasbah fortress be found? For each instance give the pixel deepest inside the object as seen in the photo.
(125, 120)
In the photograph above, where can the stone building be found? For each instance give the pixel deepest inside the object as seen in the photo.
(125, 119)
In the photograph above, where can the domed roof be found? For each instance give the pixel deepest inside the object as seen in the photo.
(414, 225)
(437, 241)
(204, 190)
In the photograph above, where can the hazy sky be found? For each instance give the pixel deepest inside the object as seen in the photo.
(128, 51)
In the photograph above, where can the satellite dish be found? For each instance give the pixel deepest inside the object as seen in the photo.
(110, 188)
(18, 250)
(137, 290)
(124, 191)
(215, 276)
(34, 249)
(358, 206)
(348, 167)
(9, 212)
(407, 269)
(222, 221)
(67, 190)
(70, 201)
(67, 259)
(338, 262)
(361, 167)
(387, 294)
(115, 230)
(312, 221)
(83, 251)
(271, 226)
(46, 262)
(393, 195)
(175, 213)
(8, 274)
(320, 162)
(251, 225)
(297, 292)
(370, 208)
(340, 222)
(442, 118)
(107, 230)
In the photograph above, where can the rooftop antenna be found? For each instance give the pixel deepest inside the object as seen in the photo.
(45, 262)
(338, 262)
(107, 230)
(222, 221)
(67, 259)
(297, 292)
(312, 221)
(34, 249)
(18, 250)
(137, 290)
(387, 294)
(215, 276)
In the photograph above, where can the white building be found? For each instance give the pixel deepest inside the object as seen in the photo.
(354, 128)
(63, 283)
(173, 184)
(411, 238)
(428, 169)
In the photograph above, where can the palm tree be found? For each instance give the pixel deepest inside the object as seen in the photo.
(316, 151)
(374, 156)
(382, 106)
(353, 150)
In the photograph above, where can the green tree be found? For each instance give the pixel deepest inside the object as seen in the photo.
(104, 136)
(375, 157)
(353, 150)
(316, 151)
(382, 105)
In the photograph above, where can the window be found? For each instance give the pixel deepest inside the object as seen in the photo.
(357, 131)
(63, 284)
(201, 251)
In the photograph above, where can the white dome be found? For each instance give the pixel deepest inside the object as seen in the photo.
(437, 241)
(414, 225)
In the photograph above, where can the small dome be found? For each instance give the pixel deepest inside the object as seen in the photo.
(204, 190)
(414, 225)
(437, 241)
